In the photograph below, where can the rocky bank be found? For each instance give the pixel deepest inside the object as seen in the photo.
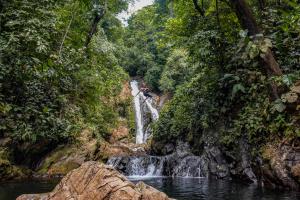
(278, 166)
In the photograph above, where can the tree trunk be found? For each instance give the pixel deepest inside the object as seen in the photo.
(198, 8)
(262, 4)
(248, 22)
(245, 16)
(98, 16)
(93, 28)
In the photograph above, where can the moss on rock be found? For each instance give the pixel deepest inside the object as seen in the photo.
(53, 158)
(8, 171)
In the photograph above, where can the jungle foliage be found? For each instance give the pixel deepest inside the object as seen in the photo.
(234, 63)
(59, 72)
(228, 62)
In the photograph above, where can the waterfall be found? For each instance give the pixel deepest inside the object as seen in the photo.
(180, 163)
(139, 99)
(156, 166)
(138, 112)
(138, 166)
(153, 110)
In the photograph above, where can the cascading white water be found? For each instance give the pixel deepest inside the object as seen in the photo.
(138, 112)
(138, 166)
(153, 110)
(157, 166)
(139, 98)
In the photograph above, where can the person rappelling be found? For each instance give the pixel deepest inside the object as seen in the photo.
(146, 92)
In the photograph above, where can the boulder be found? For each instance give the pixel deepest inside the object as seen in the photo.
(97, 181)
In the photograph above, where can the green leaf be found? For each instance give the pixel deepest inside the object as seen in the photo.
(45, 109)
(286, 79)
(237, 88)
(279, 106)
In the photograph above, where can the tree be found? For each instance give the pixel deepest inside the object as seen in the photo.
(49, 87)
(247, 21)
(100, 10)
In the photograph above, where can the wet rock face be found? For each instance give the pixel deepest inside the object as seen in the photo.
(180, 163)
(99, 182)
(146, 115)
(168, 149)
(172, 165)
(279, 167)
(217, 163)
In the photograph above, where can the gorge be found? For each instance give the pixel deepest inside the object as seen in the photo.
(199, 99)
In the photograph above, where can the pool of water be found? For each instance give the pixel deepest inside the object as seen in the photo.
(10, 191)
(204, 189)
(179, 188)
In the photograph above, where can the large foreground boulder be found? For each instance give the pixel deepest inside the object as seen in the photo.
(94, 181)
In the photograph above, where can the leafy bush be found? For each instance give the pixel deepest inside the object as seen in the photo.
(176, 71)
(192, 109)
(226, 82)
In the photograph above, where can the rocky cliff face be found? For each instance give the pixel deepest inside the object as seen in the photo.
(96, 181)
(277, 167)
(180, 163)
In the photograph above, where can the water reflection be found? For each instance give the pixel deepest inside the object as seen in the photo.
(204, 189)
(10, 191)
(179, 188)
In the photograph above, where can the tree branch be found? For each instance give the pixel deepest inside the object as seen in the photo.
(65, 35)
